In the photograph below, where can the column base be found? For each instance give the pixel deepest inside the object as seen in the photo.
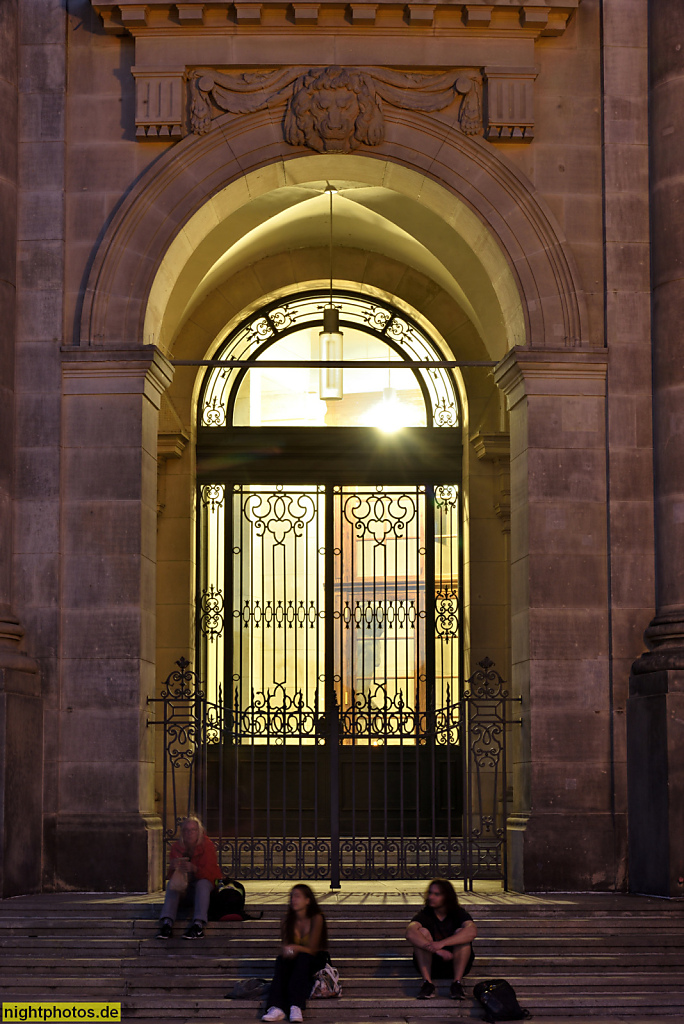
(98, 853)
(566, 852)
(655, 780)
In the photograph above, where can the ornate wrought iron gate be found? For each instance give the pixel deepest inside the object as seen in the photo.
(329, 737)
(435, 803)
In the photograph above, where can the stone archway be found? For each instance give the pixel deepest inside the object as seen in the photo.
(518, 281)
(172, 213)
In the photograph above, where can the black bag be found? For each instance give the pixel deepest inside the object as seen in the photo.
(227, 901)
(499, 1001)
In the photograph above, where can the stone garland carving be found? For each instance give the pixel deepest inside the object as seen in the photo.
(334, 109)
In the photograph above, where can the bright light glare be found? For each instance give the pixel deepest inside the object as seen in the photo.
(390, 414)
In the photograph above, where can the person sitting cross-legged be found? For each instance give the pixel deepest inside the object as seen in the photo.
(441, 935)
(193, 871)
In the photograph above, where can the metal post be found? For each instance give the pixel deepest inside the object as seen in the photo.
(331, 705)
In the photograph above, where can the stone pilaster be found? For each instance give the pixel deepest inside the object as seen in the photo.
(561, 829)
(21, 728)
(105, 834)
(656, 704)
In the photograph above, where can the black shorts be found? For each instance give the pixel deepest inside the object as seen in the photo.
(441, 968)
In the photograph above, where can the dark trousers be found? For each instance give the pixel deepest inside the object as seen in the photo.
(293, 979)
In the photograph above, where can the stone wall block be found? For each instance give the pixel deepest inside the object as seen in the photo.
(100, 579)
(10, 114)
(107, 163)
(36, 526)
(575, 422)
(42, 22)
(8, 40)
(562, 528)
(97, 474)
(36, 577)
(630, 365)
(37, 418)
(569, 685)
(37, 473)
(110, 786)
(568, 474)
(87, 522)
(42, 68)
(41, 265)
(630, 261)
(41, 116)
(41, 165)
(625, 70)
(93, 735)
(39, 315)
(627, 219)
(625, 24)
(631, 474)
(557, 165)
(627, 171)
(109, 632)
(40, 215)
(570, 581)
(631, 521)
(8, 228)
(579, 782)
(86, 215)
(107, 421)
(555, 634)
(101, 684)
(37, 367)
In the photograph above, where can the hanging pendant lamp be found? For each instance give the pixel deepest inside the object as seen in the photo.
(331, 338)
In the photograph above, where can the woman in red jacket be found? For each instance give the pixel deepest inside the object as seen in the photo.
(193, 871)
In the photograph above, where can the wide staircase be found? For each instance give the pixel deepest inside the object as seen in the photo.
(616, 957)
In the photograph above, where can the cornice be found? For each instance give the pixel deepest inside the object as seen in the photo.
(526, 372)
(162, 16)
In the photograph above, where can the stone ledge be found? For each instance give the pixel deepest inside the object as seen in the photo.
(130, 16)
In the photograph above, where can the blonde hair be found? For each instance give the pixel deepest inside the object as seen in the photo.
(200, 826)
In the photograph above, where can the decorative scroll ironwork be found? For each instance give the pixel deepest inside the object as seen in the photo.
(261, 776)
(252, 339)
(211, 606)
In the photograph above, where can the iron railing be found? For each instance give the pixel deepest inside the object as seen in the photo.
(380, 790)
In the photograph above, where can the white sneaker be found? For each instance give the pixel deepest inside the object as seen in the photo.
(274, 1013)
(295, 1014)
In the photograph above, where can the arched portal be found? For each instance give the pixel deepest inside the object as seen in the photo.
(437, 224)
(328, 639)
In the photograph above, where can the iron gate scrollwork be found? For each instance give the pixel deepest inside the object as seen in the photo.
(290, 788)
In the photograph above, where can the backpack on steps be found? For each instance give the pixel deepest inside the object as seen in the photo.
(499, 1001)
(326, 983)
(227, 901)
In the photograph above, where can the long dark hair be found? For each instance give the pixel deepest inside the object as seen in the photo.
(448, 892)
(312, 908)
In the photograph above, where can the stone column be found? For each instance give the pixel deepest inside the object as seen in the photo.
(105, 835)
(656, 705)
(21, 731)
(560, 833)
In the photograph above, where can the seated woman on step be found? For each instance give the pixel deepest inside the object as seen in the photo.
(193, 871)
(305, 942)
(441, 935)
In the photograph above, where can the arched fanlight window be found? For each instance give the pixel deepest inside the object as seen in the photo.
(390, 394)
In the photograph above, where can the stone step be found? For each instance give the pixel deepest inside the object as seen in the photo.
(177, 1005)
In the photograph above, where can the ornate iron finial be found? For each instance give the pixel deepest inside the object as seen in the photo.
(182, 664)
(486, 664)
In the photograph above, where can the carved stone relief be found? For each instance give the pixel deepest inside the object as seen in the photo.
(334, 109)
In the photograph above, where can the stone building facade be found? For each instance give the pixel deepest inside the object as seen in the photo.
(502, 181)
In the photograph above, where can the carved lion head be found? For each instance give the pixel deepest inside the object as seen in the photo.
(334, 110)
